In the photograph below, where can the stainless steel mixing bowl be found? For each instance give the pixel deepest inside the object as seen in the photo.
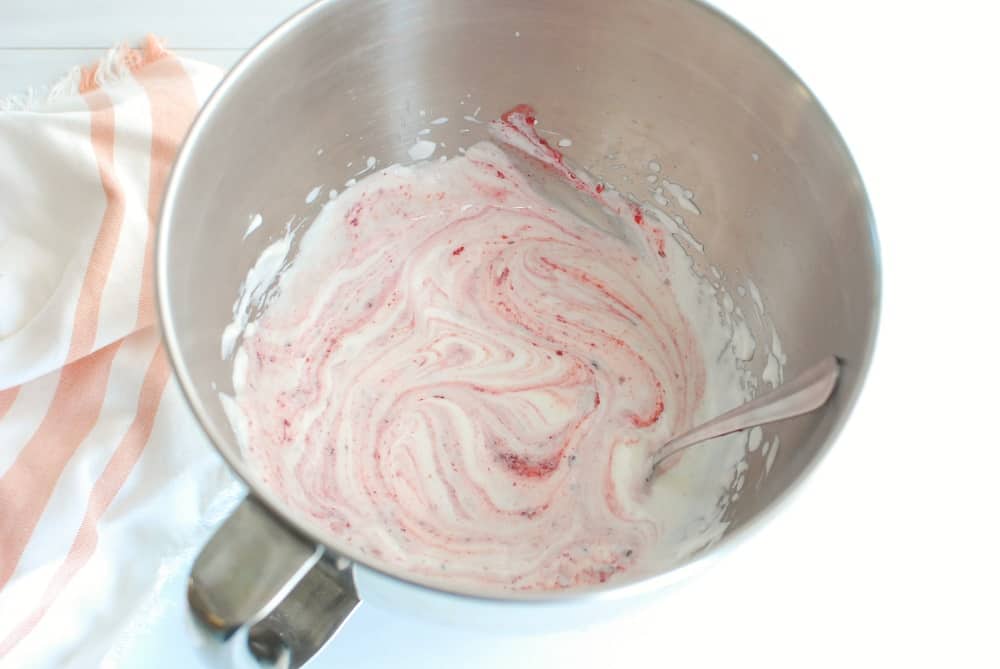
(670, 80)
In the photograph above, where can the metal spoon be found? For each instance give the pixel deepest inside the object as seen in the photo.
(807, 392)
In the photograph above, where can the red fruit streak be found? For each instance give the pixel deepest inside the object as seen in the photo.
(599, 285)
(521, 120)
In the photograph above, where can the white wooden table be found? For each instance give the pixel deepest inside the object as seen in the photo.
(886, 558)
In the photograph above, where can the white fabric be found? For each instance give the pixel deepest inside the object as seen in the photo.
(135, 488)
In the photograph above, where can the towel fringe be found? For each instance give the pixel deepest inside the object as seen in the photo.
(118, 62)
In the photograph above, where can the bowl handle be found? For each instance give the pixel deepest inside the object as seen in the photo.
(261, 595)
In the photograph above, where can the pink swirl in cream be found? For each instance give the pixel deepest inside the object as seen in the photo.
(460, 378)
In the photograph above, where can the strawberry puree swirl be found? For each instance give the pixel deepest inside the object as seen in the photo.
(458, 377)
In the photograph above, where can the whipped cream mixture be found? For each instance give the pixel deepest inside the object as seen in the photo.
(462, 379)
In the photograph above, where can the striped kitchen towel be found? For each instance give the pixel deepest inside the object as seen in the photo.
(106, 483)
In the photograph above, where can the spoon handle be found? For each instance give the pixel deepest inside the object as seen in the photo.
(806, 392)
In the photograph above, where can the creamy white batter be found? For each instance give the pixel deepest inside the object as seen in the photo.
(464, 380)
